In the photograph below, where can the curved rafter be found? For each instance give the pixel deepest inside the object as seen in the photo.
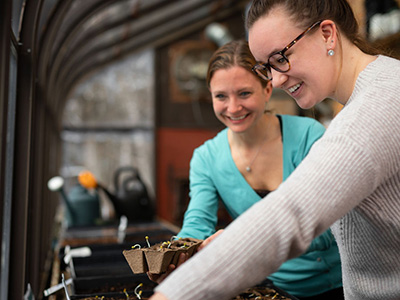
(72, 45)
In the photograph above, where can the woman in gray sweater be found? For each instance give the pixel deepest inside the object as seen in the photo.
(350, 181)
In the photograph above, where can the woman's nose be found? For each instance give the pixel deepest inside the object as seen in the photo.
(234, 105)
(278, 79)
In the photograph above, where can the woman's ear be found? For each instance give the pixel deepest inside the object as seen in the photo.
(268, 90)
(329, 34)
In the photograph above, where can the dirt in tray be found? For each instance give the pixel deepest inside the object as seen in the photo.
(255, 293)
(113, 298)
(260, 293)
(128, 295)
(118, 288)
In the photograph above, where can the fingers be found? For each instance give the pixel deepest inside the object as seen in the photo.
(182, 258)
(171, 268)
(163, 276)
(158, 296)
(153, 277)
(160, 277)
(209, 239)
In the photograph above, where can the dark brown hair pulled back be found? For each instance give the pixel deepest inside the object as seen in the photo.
(235, 53)
(306, 12)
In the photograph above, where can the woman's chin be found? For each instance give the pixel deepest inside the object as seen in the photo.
(305, 104)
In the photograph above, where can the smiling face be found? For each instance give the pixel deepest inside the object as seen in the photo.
(312, 76)
(238, 98)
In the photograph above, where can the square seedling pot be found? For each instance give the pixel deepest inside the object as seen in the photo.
(158, 257)
(136, 260)
(158, 261)
(186, 245)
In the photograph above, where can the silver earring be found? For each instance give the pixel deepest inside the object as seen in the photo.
(331, 52)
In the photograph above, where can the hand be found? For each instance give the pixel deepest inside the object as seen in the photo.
(209, 239)
(158, 296)
(160, 277)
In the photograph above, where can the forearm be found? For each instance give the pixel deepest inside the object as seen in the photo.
(198, 225)
(158, 296)
(200, 218)
(222, 269)
(275, 229)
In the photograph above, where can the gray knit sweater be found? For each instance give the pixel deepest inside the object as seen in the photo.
(350, 180)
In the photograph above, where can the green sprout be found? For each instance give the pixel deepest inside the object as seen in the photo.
(136, 246)
(174, 237)
(165, 244)
(126, 294)
(138, 293)
(185, 246)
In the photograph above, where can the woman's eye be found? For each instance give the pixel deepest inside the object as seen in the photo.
(281, 61)
(219, 96)
(244, 94)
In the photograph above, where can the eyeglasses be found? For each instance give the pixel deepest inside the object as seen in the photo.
(278, 60)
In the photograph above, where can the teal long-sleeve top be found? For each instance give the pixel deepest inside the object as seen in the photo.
(214, 176)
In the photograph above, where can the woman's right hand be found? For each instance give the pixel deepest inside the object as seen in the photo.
(209, 239)
(160, 277)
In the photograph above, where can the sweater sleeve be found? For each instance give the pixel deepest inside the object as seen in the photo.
(313, 133)
(303, 132)
(300, 134)
(356, 159)
(280, 226)
(201, 216)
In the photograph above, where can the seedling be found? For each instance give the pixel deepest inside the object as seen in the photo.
(126, 294)
(156, 259)
(174, 237)
(137, 292)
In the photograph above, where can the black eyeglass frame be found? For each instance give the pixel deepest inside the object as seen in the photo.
(260, 69)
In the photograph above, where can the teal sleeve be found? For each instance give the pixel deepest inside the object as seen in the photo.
(315, 133)
(322, 242)
(310, 135)
(201, 216)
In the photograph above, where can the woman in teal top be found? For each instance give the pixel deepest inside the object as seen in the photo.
(214, 176)
(251, 157)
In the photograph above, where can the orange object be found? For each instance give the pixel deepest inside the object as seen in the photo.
(87, 179)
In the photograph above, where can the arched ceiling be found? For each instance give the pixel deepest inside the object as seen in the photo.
(77, 37)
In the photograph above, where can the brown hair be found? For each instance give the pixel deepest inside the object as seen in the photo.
(306, 12)
(235, 53)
